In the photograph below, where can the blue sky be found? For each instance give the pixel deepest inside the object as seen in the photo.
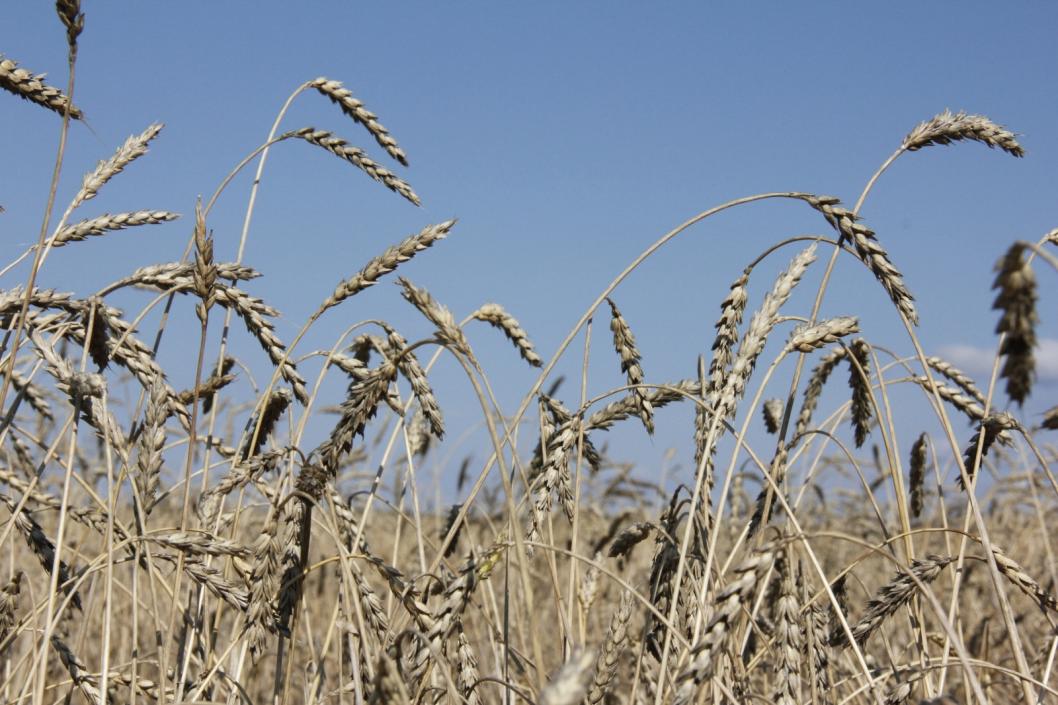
(566, 137)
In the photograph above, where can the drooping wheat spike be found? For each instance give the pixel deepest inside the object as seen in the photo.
(869, 250)
(729, 604)
(261, 426)
(789, 639)
(388, 688)
(818, 651)
(413, 371)
(860, 383)
(352, 107)
(819, 377)
(891, 597)
(201, 544)
(97, 324)
(589, 586)
(662, 572)
(449, 525)
(42, 547)
(808, 338)
(994, 427)
(204, 275)
(760, 327)
(387, 262)
(359, 407)
(948, 127)
(731, 311)
(625, 407)
(343, 150)
(629, 538)
(213, 580)
(917, 475)
(1016, 300)
(625, 345)
(970, 408)
(79, 673)
(1050, 419)
(772, 410)
(85, 391)
(467, 676)
(956, 375)
(569, 684)
(496, 316)
(242, 474)
(33, 394)
(293, 560)
(33, 88)
(264, 582)
(107, 223)
(70, 15)
(150, 444)
(135, 146)
(255, 315)
(9, 604)
(206, 392)
(607, 661)
(765, 505)
(1024, 582)
(448, 332)
(177, 275)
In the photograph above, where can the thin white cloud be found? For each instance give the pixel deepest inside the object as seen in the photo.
(977, 361)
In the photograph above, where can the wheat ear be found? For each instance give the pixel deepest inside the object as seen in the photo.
(33, 88)
(948, 127)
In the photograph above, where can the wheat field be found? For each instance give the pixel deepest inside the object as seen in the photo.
(175, 536)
